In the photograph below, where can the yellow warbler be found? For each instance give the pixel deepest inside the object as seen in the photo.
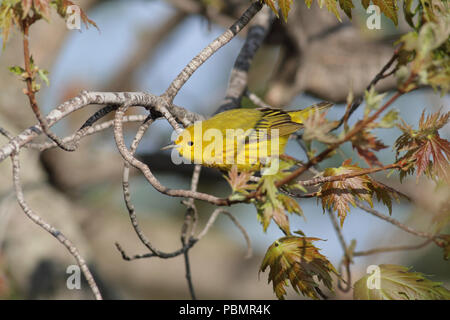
(247, 138)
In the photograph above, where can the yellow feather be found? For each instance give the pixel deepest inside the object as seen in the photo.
(242, 137)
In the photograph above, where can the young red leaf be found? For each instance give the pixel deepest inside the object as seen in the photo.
(365, 143)
(42, 7)
(239, 182)
(425, 149)
(338, 195)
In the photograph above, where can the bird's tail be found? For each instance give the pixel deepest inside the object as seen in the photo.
(299, 116)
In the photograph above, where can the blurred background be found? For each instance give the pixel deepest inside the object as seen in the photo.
(142, 46)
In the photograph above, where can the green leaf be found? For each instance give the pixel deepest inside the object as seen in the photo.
(409, 15)
(273, 210)
(272, 6)
(446, 243)
(347, 6)
(297, 261)
(365, 3)
(290, 204)
(43, 74)
(332, 7)
(285, 6)
(398, 283)
(317, 127)
(389, 119)
(389, 8)
(17, 70)
(373, 100)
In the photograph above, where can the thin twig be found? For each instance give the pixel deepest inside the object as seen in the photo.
(257, 100)
(320, 180)
(30, 91)
(213, 218)
(321, 156)
(379, 76)
(6, 133)
(347, 259)
(398, 223)
(103, 112)
(118, 136)
(187, 266)
(85, 98)
(173, 254)
(212, 48)
(391, 249)
(130, 207)
(49, 228)
(190, 222)
(90, 131)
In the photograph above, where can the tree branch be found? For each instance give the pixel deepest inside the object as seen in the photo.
(391, 249)
(50, 229)
(207, 52)
(398, 224)
(30, 91)
(213, 218)
(86, 98)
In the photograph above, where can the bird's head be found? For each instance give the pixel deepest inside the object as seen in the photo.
(184, 143)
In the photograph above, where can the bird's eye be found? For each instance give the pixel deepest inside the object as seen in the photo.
(190, 143)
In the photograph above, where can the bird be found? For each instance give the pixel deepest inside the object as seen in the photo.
(248, 138)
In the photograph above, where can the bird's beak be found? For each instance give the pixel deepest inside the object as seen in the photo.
(170, 146)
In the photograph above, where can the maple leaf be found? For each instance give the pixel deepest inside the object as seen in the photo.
(388, 120)
(445, 244)
(285, 6)
(398, 283)
(365, 3)
(337, 195)
(373, 100)
(317, 127)
(389, 8)
(290, 204)
(433, 122)
(268, 211)
(424, 52)
(384, 194)
(332, 7)
(61, 7)
(438, 149)
(26, 6)
(9, 16)
(425, 149)
(272, 6)
(347, 6)
(365, 143)
(297, 261)
(274, 204)
(239, 182)
(42, 7)
(12, 12)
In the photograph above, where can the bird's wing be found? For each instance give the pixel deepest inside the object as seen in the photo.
(276, 119)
